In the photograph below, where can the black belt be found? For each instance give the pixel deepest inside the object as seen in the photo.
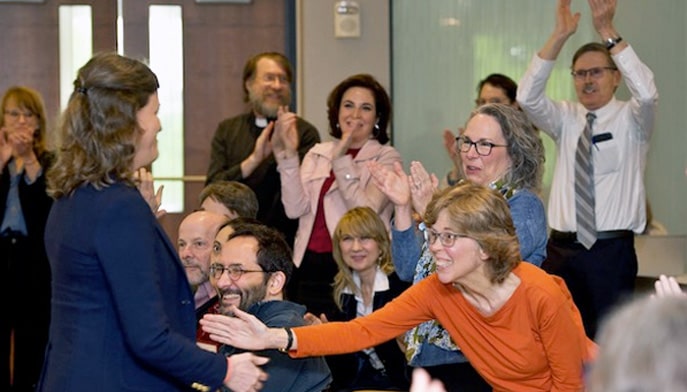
(571, 236)
(12, 233)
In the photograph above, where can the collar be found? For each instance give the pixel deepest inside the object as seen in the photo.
(381, 282)
(603, 112)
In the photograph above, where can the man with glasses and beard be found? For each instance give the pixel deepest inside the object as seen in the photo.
(251, 265)
(241, 146)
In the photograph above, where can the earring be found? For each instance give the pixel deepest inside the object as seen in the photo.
(377, 125)
(337, 126)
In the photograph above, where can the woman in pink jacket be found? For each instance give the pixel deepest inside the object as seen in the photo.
(332, 179)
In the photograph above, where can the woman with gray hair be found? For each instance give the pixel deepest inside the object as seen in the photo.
(499, 149)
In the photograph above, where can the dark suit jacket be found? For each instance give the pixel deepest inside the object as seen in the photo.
(344, 367)
(35, 206)
(234, 141)
(123, 312)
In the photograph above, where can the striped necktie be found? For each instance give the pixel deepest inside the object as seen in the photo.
(584, 186)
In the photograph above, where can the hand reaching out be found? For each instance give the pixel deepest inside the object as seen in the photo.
(243, 331)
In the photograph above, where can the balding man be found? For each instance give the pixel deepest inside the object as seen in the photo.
(196, 235)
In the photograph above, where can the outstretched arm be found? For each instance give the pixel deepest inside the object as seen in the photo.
(245, 331)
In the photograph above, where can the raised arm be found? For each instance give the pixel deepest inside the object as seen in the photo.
(603, 12)
(566, 25)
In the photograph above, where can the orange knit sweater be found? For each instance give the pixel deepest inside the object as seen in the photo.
(535, 342)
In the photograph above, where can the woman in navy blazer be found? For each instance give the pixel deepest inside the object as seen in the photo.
(123, 312)
(365, 282)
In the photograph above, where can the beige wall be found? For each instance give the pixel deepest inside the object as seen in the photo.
(324, 61)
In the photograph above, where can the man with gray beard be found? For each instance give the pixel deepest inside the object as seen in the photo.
(251, 265)
(241, 146)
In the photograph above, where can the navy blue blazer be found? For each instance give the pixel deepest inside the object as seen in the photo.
(344, 366)
(122, 309)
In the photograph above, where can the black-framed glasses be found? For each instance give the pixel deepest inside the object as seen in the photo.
(482, 147)
(594, 73)
(235, 271)
(446, 238)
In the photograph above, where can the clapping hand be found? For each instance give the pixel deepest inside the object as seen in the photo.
(423, 186)
(285, 135)
(393, 183)
(146, 185)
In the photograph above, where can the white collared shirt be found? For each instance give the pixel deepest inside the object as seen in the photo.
(619, 162)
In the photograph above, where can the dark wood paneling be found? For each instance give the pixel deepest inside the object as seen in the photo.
(30, 45)
(218, 39)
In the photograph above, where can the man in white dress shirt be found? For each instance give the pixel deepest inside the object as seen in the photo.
(604, 269)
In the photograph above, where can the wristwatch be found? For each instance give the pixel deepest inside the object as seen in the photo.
(611, 42)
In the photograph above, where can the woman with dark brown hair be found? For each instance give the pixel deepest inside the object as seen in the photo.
(332, 179)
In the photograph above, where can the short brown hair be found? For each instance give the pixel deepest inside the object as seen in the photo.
(236, 196)
(482, 214)
(593, 47)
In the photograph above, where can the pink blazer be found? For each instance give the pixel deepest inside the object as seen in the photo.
(353, 187)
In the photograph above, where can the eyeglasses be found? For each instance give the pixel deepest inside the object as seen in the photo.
(482, 147)
(271, 78)
(235, 271)
(15, 114)
(445, 237)
(594, 73)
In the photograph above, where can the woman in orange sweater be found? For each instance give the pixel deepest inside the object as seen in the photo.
(516, 324)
